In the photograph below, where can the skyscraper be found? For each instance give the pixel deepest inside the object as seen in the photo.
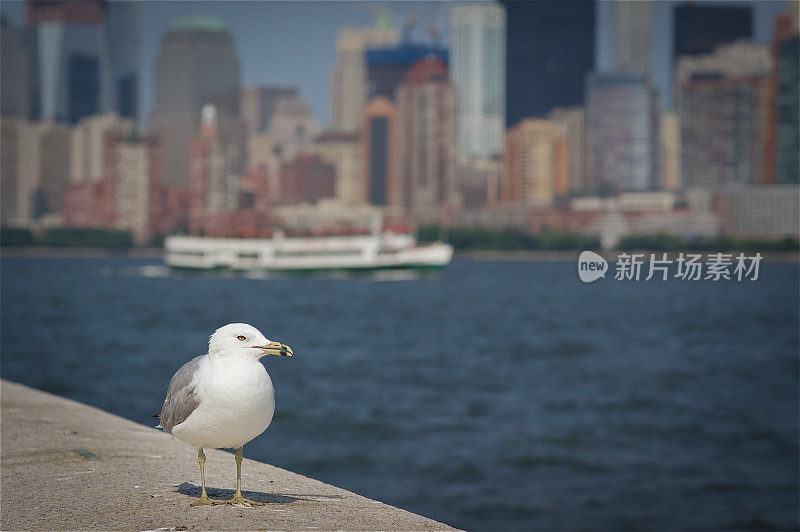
(348, 82)
(257, 105)
(549, 51)
(196, 65)
(622, 132)
(261, 157)
(786, 54)
(292, 127)
(531, 163)
(698, 28)
(72, 60)
(89, 143)
(122, 35)
(571, 125)
(43, 169)
(720, 103)
(426, 107)
(670, 151)
(15, 76)
(477, 55)
(213, 180)
(14, 202)
(633, 35)
(35, 157)
(220, 181)
(133, 179)
(344, 151)
(379, 138)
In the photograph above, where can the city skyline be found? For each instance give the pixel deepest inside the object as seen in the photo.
(580, 138)
(288, 43)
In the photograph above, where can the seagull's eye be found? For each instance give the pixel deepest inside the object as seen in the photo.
(242, 338)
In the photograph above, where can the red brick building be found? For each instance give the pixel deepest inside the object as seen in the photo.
(307, 179)
(129, 197)
(132, 197)
(426, 132)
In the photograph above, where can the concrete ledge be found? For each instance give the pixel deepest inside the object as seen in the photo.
(66, 465)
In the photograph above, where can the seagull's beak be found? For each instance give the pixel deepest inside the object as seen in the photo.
(276, 348)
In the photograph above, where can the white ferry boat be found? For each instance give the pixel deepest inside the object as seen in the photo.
(281, 253)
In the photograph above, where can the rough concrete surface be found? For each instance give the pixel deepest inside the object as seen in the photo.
(66, 465)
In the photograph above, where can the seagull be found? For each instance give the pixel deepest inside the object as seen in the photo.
(223, 399)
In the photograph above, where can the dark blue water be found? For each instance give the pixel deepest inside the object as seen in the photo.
(500, 395)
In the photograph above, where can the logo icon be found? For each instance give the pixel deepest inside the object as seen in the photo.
(591, 266)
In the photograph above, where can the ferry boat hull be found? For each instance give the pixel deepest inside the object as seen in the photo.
(305, 254)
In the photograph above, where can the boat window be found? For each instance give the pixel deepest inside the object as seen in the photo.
(318, 253)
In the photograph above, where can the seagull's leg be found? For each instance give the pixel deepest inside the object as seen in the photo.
(238, 497)
(201, 458)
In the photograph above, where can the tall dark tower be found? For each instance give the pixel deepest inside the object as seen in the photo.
(122, 31)
(549, 51)
(698, 29)
(196, 65)
(71, 59)
(15, 73)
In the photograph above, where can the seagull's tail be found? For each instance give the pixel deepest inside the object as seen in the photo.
(159, 425)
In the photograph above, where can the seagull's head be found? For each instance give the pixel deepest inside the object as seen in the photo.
(245, 339)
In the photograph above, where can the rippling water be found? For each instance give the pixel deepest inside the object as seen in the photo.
(499, 395)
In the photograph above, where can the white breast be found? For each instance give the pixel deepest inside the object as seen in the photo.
(237, 402)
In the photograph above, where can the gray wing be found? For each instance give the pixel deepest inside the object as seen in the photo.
(181, 399)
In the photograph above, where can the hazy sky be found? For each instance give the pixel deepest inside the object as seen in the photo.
(294, 42)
